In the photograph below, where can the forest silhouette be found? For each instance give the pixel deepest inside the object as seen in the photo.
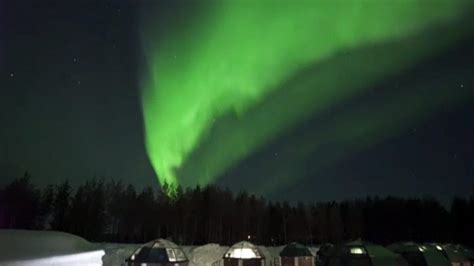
(107, 210)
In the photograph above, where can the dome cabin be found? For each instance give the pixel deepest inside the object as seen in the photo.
(458, 255)
(468, 252)
(295, 254)
(243, 254)
(363, 254)
(420, 255)
(323, 253)
(158, 252)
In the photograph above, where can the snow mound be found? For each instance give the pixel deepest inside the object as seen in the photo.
(188, 250)
(268, 254)
(206, 255)
(272, 253)
(314, 250)
(115, 254)
(25, 247)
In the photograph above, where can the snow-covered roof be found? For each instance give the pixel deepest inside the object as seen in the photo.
(295, 250)
(159, 250)
(365, 253)
(161, 243)
(429, 253)
(455, 255)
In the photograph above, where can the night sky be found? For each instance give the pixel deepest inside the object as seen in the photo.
(74, 95)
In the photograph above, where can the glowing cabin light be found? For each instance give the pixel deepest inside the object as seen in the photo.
(438, 247)
(421, 249)
(357, 251)
(171, 256)
(243, 253)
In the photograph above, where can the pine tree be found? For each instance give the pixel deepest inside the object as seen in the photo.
(62, 203)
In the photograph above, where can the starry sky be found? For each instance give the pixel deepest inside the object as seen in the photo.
(69, 100)
(73, 99)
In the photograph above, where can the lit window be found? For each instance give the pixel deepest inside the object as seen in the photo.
(243, 253)
(171, 256)
(357, 251)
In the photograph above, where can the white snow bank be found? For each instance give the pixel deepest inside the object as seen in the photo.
(314, 250)
(92, 258)
(206, 255)
(187, 250)
(25, 247)
(115, 254)
(271, 254)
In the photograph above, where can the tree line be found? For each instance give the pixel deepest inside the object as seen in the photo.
(109, 210)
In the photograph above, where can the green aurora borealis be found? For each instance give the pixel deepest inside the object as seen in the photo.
(239, 74)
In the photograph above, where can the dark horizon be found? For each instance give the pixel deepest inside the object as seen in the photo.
(446, 202)
(111, 211)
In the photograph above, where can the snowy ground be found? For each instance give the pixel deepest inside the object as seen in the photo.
(37, 248)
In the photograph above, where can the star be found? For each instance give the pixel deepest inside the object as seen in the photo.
(12, 75)
(462, 85)
(74, 59)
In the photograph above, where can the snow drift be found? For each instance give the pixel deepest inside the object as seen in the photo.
(24, 247)
(207, 254)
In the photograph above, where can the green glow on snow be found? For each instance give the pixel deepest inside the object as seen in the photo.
(214, 76)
